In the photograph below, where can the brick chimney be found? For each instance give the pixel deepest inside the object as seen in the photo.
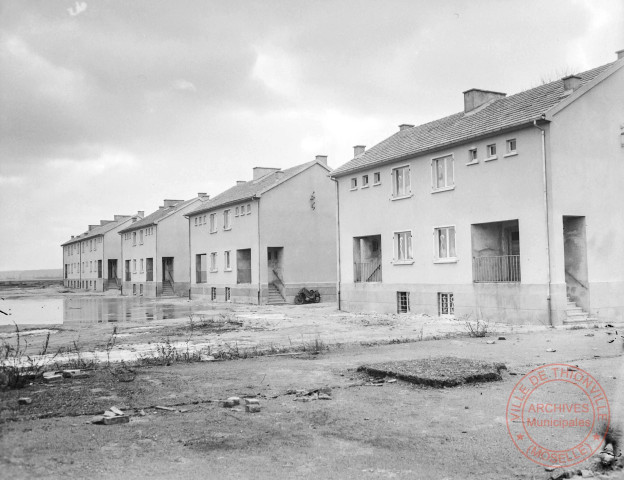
(203, 195)
(474, 98)
(620, 54)
(321, 159)
(170, 203)
(359, 149)
(404, 126)
(91, 227)
(259, 172)
(141, 213)
(104, 222)
(571, 82)
(240, 182)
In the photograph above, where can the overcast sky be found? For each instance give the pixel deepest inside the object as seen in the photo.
(109, 107)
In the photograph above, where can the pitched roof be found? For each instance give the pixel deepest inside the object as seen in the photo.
(253, 188)
(99, 230)
(155, 217)
(505, 113)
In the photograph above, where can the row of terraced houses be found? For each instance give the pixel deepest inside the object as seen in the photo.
(509, 210)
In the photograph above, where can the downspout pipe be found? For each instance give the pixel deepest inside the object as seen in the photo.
(190, 258)
(338, 240)
(259, 252)
(547, 222)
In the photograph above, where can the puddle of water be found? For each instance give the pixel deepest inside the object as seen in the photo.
(81, 310)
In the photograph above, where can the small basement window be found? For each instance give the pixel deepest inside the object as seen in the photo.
(227, 294)
(403, 302)
(213, 293)
(446, 305)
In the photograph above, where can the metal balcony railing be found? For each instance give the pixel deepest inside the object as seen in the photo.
(503, 268)
(367, 271)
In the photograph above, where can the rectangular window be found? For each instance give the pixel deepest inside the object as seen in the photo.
(491, 151)
(127, 270)
(141, 265)
(445, 244)
(226, 220)
(196, 221)
(236, 212)
(134, 289)
(133, 239)
(354, 183)
(213, 262)
(95, 244)
(201, 274)
(377, 178)
(204, 219)
(401, 185)
(446, 305)
(213, 223)
(364, 181)
(442, 172)
(141, 237)
(248, 208)
(213, 293)
(99, 267)
(473, 155)
(226, 261)
(403, 305)
(227, 294)
(141, 289)
(402, 247)
(134, 270)
(511, 146)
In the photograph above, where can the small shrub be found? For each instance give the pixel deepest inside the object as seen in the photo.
(476, 329)
(17, 367)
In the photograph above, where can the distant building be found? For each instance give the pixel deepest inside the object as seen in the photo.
(508, 211)
(155, 251)
(92, 260)
(262, 240)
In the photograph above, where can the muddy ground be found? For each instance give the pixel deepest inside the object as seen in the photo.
(391, 430)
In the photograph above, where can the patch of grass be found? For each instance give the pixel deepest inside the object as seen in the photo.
(17, 366)
(438, 372)
(476, 329)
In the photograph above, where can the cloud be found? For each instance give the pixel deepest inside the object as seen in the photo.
(79, 8)
(181, 84)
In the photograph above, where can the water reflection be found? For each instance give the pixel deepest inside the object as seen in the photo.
(33, 311)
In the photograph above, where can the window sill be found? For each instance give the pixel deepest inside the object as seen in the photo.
(489, 159)
(474, 162)
(227, 270)
(213, 231)
(213, 271)
(364, 186)
(402, 262)
(376, 184)
(227, 229)
(510, 154)
(402, 197)
(443, 189)
(446, 260)
(353, 189)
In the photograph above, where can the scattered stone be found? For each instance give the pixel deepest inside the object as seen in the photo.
(466, 407)
(142, 412)
(50, 377)
(324, 396)
(234, 400)
(589, 334)
(502, 338)
(549, 469)
(74, 373)
(114, 420)
(108, 413)
(392, 380)
(587, 473)
(572, 369)
(302, 399)
(558, 474)
(490, 342)
(252, 401)
(24, 401)
(169, 409)
(116, 411)
(206, 358)
(252, 408)
(326, 390)
(551, 350)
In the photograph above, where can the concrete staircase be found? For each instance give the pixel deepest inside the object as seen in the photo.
(575, 315)
(275, 297)
(112, 284)
(167, 290)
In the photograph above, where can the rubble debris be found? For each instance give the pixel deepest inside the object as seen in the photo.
(206, 358)
(502, 338)
(589, 334)
(24, 401)
(324, 396)
(552, 350)
(587, 473)
(252, 401)
(116, 410)
(252, 408)
(490, 342)
(75, 373)
(50, 377)
(231, 402)
(169, 409)
(104, 420)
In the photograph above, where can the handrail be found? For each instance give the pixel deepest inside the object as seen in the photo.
(576, 279)
(170, 279)
(375, 268)
(278, 277)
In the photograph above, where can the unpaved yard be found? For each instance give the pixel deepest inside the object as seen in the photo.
(391, 430)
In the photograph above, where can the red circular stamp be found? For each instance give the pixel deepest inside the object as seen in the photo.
(558, 414)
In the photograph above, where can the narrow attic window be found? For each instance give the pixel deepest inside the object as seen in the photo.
(354, 183)
(511, 147)
(236, 210)
(364, 181)
(491, 152)
(473, 156)
(376, 178)
(249, 209)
